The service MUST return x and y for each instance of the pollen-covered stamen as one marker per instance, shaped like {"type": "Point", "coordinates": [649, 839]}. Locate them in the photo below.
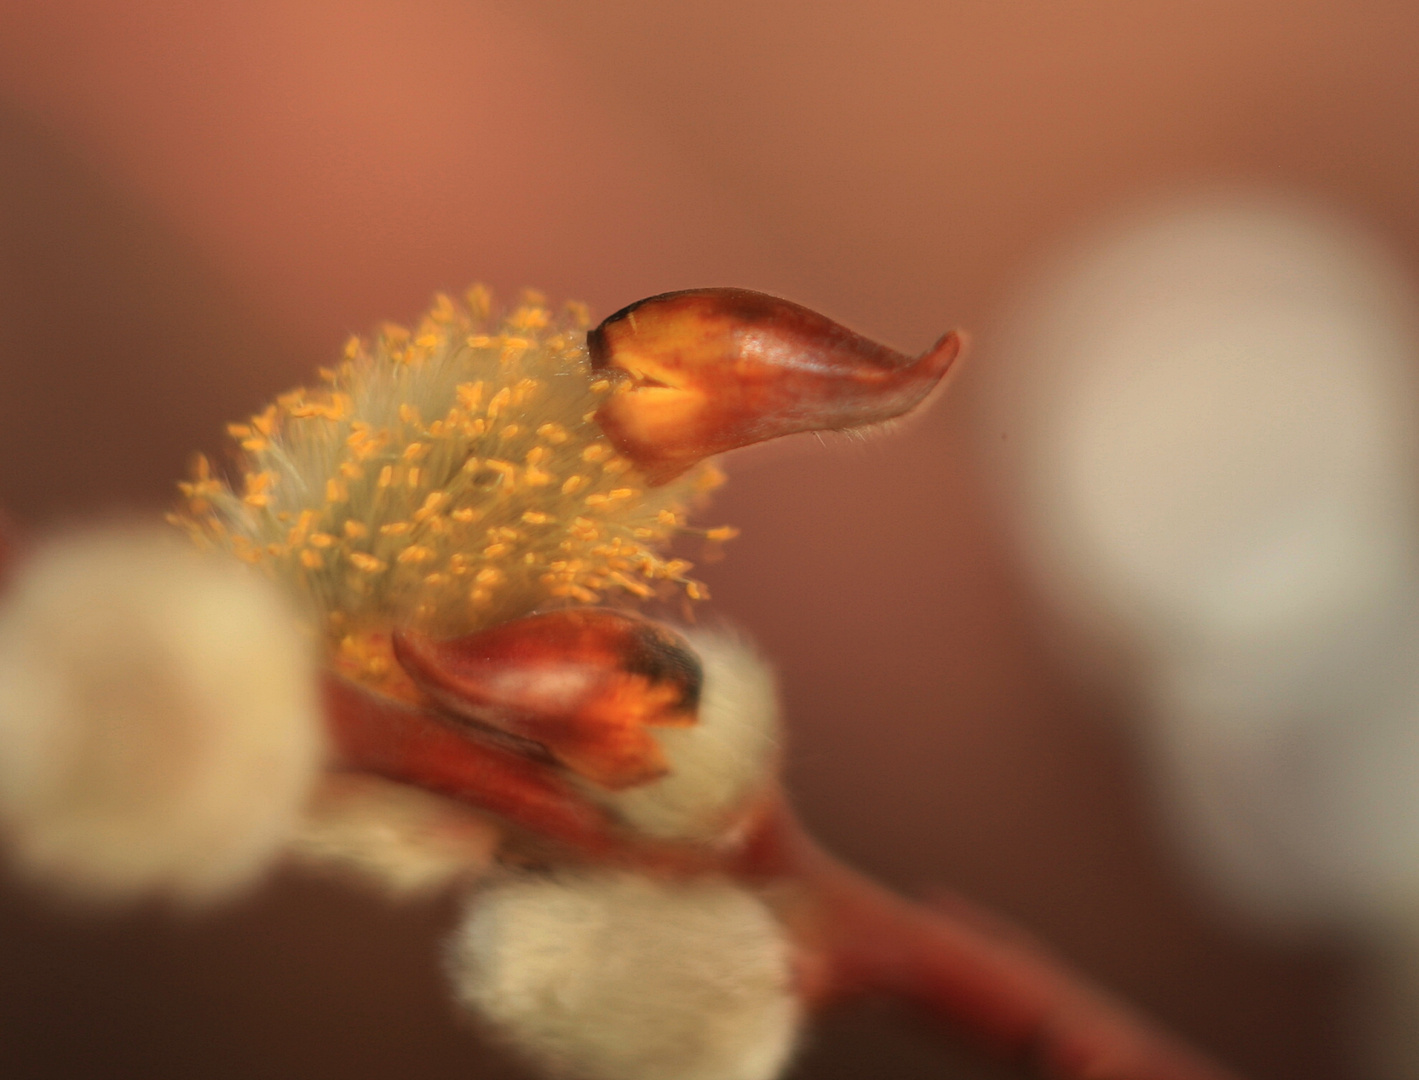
{"type": "Point", "coordinates": [446, 478]}
{"type": "Point", "coordinates": [714, 369]}
{"type": "Point", "coordinates": [585, 684]}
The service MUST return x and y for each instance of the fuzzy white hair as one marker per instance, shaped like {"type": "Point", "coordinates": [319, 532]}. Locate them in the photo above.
{"type": "Point", "coordinates": [159, 718]}
{"type": "Point", "coordinates": [616, 976]}
{"type": "Point", "coordinates": [404, 841]}
{"type": "Point", "coordinates": [718, 764]}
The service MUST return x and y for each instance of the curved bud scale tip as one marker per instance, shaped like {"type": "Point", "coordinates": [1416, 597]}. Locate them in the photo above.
{"type": "Point", "coordinates": [581, 685]}
{"type": "Point", "coordinates": [715, 369]}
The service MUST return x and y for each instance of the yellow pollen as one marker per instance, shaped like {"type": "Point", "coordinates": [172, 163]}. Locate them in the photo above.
{"type": "Point", "coordinates": [469, 395]}
{"type": "Point", "coordinates": [378, 516]}
{"type": "Point", "coordinates": [367, 563]}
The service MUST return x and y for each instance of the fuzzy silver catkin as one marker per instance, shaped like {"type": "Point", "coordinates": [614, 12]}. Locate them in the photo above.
{"type": "Point", "coordinates": [718, 764]}
{"type": "Point", "coordinates": [159, 720]}
{"type": "Point", "coordinates": [616, 976]}
{"type": "Point", "coordinates": [402, 840]}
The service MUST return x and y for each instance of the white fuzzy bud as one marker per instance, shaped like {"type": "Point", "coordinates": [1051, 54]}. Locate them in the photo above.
{"type": "Point", "coordinates": [405, 841]}
{"type": "Point", "coordinates": [159, 721]}
{"type": "Point", "coordinates": [718, 764]}
{"type": "Point", "coordinates": [615, 976]}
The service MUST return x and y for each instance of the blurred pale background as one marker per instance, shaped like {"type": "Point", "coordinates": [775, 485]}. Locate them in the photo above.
{"type": "Point", "coordinates": [198, 204]}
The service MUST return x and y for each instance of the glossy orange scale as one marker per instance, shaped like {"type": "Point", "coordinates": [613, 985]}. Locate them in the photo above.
{"type": "Point", "coordinates": [584, 684]}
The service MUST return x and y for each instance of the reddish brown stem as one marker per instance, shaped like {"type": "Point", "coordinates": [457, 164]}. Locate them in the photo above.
{"type": "Point", "coordinates": [984, 979]}
{"type": "Point", "coordinates": [970, 969]}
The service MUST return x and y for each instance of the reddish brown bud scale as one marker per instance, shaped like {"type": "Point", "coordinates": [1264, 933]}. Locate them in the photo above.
{"type": "Point", "coordinates": [715, 369]}
{"type": "Point", "coordinates": [376, 734]}
{"type": "Point", "coordinates": [583, 685]}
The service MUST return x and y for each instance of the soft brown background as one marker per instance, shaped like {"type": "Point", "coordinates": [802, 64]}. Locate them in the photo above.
{"type": "Point", "coordinates": [198, 202]}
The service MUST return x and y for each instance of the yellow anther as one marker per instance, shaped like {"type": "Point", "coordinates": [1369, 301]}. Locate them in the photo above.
{"type": "Point", "coordinates": [535, 477]}
{"type": "Point", "coordinates": [529, 318]}
{"type": "Point", "coordinates": [709, 479]}
{"type": "Point", "coordinates": [415, 553]}
{"type": "Point", "coordinates": [493, 551]}
{"type": "Point", "coordinates": [600, 386]}
{"type": "Point", "coordinates": [432, 505]}
{"type": "Point", "coordinates": [415, 451]}
{"type": "Point", "coordinates": [312, 560]}
{"type": "Point", "coordinates": [320, 540]}
{"type": "Point", "coordinates": [413, 477]}
{"type": "Point", "coordinates": [553, 433]}
{"type": "Point", "coordinates": [597, 451]}
{"type": "Point", "coordinates": [510, 431]}
{"type": "Point", "coordinates": [506, 470]}
{"type": "Point", "coordinates": [470, 395]}
{"type": "Point", "coordinates": [409, 414]}
{"type": "Point", "coordinates": [490, 575]}
{"type": "Point", "coordinates": [573, 484]}
{"type": "Point", "coordinates": [350, 471]}
{"type": "Point", "coordinates": [356, 530]}
{"type": "Point", "coordinates": [367, 563]}
{"type": "Point", "coordinates": [386, 477]}
{"type": "Point", "coordinates": [394, 528]}
{"type": "Point", "coordinates": [722, 533]}
{"type": "Point", "coordinates": [498, 403]}
{"type": "Point", "coordinates": [479, 301]}
{"type": "Point", "coordinates": [637, 588]}
{"type": "Point", "coordinates": [536, 517]}
{"type": "Point", "coordinates": [336, 491]}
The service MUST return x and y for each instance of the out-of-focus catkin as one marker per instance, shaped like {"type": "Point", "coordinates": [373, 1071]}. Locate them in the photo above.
{"type": "Point", "coordinates": [159, 717]}
{"type": "Point", "coordinates": [617, 976]}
